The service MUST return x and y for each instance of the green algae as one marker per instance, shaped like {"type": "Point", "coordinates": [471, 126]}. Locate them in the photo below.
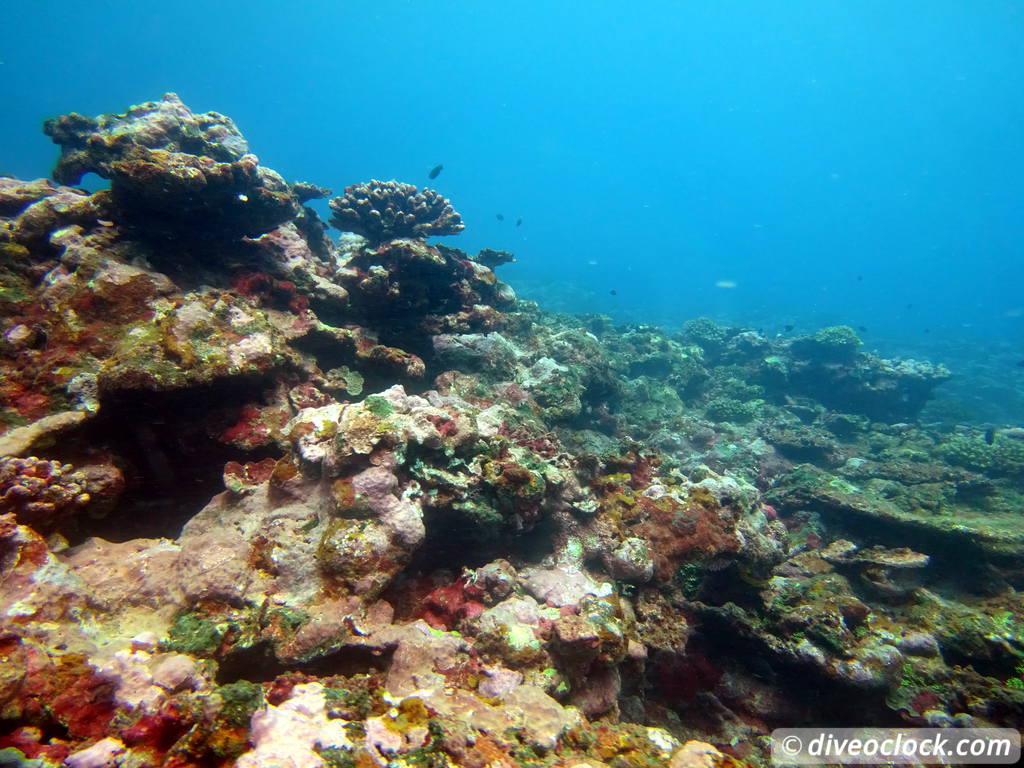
{"type": "Point", "coordinates": [690, 578]}
{"type": "Point", "coordinates": [337, 757]}
{"type": "Point", "coordinates": [194, 635]}
{"type": "Point", "coordinates": [12, 757]}
{"type": "Point", "coordinates": [291, 619]}
{"type": "Point", "coordinates": [356, 704]}
{"type": "Point", "coordinates": [379, 406]}
{"type": "Point", "coordinates": [431, 754]}
{"type": "Point", "coordinates": [241, 699]}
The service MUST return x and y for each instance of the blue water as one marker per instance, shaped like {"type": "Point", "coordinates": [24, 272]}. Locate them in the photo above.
{"type": "Point", "coordinates": [837, 161]}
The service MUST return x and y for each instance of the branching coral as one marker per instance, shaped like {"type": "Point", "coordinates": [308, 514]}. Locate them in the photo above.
{"type": "Point", "coordinates": [385, 210]}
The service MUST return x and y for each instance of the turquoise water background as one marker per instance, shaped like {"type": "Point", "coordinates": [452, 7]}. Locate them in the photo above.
{"type": "Point", "coordinates": [770, 164]}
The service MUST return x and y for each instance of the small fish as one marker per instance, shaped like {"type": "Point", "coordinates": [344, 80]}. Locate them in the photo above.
{"type": "Point", "coordinates": [788, 328]}
{"type": "Point", "coordinates": [613, 292]}
{"type": "Point", "coordinates": [862, 329]}
{"type": "Point", "coordinates": [1020, 363]}
{"type": "Point", "coordinates": [910, 306]}
{"type": "Point", "coordinates": [860, 278]}
{"type": "Point", "coordinates": [927, 330]}
{"type": "Point", "coordinates": [435, 171]}
{"type": "Point", "coordinates": [519, 222]}
{"type": "Point", "coordinates": [499, 216]}
{"type": "Point", "coordinates": [725, 284]}
{"type": "Point", "coordinates": [990, 435]}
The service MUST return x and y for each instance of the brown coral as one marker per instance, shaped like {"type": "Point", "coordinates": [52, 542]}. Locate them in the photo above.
{"type": "Point", "coordinates": [385, 210]}
{"type": "Point", "coordinates": [174, 193]}
{"type": "Point", "coordinates": [40, 493]}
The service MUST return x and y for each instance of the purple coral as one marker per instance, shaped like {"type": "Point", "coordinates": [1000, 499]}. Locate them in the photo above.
{"type": "Point", "coordinates": [385, 210]}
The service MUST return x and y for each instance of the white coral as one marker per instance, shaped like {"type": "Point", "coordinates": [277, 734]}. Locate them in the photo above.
{"type": "Point", "coordinates": [288, 735]}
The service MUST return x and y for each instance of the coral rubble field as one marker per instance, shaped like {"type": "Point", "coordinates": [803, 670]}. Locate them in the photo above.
{"type": "Point", "coordinates": [269, 497]}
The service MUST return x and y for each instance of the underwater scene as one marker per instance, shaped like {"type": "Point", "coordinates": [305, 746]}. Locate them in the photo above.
{"type": "Point", "coordinates": [468, 385]}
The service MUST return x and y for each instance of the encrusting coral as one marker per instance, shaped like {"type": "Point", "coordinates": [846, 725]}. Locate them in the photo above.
{"type": "Point", "coordinates": [354, 504]}
{"type": "Point", "coordinates": [40, 492]}
{"type": "Point", "coordinates": [385, 210]}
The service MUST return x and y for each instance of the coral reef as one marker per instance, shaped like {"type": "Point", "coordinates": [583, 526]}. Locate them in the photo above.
{"type": "Point", "coordinates": [91, 145]}
{"type": "Point", "coordinates": [173, 173]}
{"type": "Point", "coordinates": [296, 501]}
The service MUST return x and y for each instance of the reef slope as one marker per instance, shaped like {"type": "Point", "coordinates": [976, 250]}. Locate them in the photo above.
{"type": "Point", "coordinates": [268, 497]}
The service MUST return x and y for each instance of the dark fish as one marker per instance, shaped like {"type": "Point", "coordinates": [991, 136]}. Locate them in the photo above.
{"type": "Point", "coordinates": [519, 222]}
{"type": "Point", "coordinates": [1020, 363]}
{"type": "Point", "coordinates": [435, 171]}
{"type": "Point", "coordinates": [859, 278]}
{"type": "Point", "coordinates": [613, 292]}
{"type": "Point", "coordinates": [927, 330]}
{"type": "Point", "coordinates": [499, 216]}
{"type": "Point", "coordinates": [990, 435]}
{"type": "Point", "coordinates": [788, 328]}
{"type": "Point", "coordinates": [862, 329]}
{"type": "Point", "coordinates": [910, 306]}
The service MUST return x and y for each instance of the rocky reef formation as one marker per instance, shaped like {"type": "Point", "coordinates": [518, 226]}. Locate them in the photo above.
{"type": "Point", "coordinates": [292, 500]}
{"type": "Point", "coordinates": [173, 173]}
